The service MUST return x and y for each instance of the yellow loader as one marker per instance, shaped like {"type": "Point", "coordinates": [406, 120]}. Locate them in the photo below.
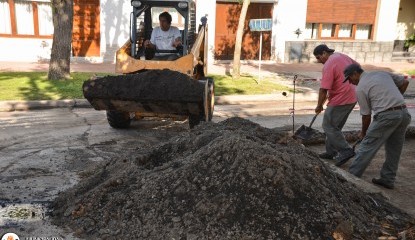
{"type": "Point", "coordinates": [146, 87]}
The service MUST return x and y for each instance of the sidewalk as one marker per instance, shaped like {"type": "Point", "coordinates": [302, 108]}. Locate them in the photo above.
{"type": "Point", "coordinates": [221, 67]}
{"type": "Point", "coordinates": [308, 76]}
{"type": "Point", "coordinates": [311, 70]}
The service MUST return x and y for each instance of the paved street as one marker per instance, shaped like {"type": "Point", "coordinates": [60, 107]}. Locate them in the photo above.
{"type": "Point", "coordinates": [45, 151]}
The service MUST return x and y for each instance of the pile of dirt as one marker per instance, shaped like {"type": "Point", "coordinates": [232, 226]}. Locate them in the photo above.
{"type": "Point", "coordinates": [154, 85]}
{"type": "Point", "coordinates": [350, 136]}
{"type": "Point", "coordinates": [227, 180]}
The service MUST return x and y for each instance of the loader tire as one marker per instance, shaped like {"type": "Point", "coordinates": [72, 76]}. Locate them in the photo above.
{"type": "Point", "coordinates": [208, 105]}
{"type": "Point", "coordinates": [194, 120]}
{"type": "Point", "coordinates": [209, 100]}
{"type": "Point", "coordinates": [118, 119]}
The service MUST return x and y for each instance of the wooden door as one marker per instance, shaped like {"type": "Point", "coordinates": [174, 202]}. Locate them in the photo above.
{"type": "Point", "coordinates": [86, 29]}
{"type": "Point", "coordinates": [227, 18]}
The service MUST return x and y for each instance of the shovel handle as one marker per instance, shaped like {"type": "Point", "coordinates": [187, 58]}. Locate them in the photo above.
{"type": "Point", "coordinates": [312, 121]}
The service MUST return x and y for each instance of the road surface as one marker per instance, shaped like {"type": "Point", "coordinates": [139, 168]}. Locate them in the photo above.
{"type": "Point", "coordinates": [44, 152]}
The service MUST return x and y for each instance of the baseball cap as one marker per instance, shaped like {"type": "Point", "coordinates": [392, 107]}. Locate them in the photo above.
{"type": "Point", "coordinates": [321, 48]}
{"type": "Point", "coordinates": [349, 70]}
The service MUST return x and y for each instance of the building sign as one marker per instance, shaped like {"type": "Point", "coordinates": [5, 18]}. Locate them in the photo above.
{"type": "Point", "coordinates": [260, 24]}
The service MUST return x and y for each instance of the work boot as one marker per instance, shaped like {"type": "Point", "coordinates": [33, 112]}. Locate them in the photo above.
{"type": "Point", "coordinates": [326, 155]}
{"type": "Point", "coordinates": [383, 183]}
{"type": "Point", "coordinates": [343, 157]}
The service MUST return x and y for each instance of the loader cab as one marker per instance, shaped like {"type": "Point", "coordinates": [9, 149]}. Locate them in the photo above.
{"type": "Point", "coordinates": [145, 17]}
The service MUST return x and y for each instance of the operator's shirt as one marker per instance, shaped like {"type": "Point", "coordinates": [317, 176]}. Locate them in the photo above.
{"type": "Point", "coordinates": [378, 91]}
{"type": "Point", "coordinates": [164, 39]}
{"type": "Point", "coordinates": [339, 93]}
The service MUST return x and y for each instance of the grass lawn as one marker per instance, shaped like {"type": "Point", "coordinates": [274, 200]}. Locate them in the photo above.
{"type": "Point", "coordinates": [246, 85]}
{"type": "Point", "coordinates": [35, 86]}
{"type": "Point", "coordinates": [411, 72]}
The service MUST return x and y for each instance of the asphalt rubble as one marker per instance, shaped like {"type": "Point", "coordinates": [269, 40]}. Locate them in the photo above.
{"type": "Point", "coordinates": [228, 180]}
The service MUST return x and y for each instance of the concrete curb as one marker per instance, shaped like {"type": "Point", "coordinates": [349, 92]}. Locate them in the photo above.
{"type": "Point", "coordinates": [9, 106]}
{"type": "Point", "coordinates": [310, 96]}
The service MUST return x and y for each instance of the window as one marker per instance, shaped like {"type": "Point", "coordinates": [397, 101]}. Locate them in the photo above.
{"type": "Point", "coordinates": [177, 20]}
{"type": "Point", "coordinates": [345, 31]}
{"type": "Point", "coordinates": [5, 25]}
{"type": "Point", "coordinates": [311, 31]}
{"type": "Point", "coordinates": [44, 12]}
{"type": "Point", "coordinates": [338, 31]}
{"type": "Point", "coordinates": [25, 18]}
{"type": "Point", "coordinates": [327, 30]}
{"type": "Point", "coordinates": [363, 31]}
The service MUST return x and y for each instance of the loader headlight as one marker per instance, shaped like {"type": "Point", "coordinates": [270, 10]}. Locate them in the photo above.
{"type": "Point", "coordinates": [182, 5]}
{"type": "Point", "coordinates": [135, 3]}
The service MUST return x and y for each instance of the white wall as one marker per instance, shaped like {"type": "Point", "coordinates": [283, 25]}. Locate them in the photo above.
{"type": "Point", "coordinates": [115, 24]}
{"type": "Point", "coordinates": [387, 16]}
{"type": "Point", "coordinates": [208, 7]}
{"type": "Point", "coordinates": [406, 19]}
{"type": "Point", "coordinates": [25, 49]}
{"type": "Point", "coordinates": [289, 15]}
{"type": "Point", "coordinates": [114, 20]}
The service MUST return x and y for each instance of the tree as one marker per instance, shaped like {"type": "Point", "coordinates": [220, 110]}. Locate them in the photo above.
{"type": "Point", "coordinates": [236, 71]}
{"type": "Point", "coordinates": [59, 65]}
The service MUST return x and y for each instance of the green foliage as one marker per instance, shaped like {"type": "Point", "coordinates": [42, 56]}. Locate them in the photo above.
{"type": "Point", "coordinates": [410, 41]}
{"type": "Point", "coordinates": [36, 86]}
{"type": "Point", "coordinates": [411, 72]}
{"type": "Point", "coordinates": [245, 85]}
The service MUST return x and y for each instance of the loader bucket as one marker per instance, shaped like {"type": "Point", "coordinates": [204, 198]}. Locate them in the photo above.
{"type": "Point", "coordinates": [161, 93]}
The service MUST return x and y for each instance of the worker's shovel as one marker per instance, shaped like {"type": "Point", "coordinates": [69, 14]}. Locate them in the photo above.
{"type": "Point", "coordinates": [304, 132]}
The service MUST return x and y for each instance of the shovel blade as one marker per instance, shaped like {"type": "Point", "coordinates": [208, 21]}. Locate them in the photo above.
{"type": "Point", "coordinates": [304, 133]}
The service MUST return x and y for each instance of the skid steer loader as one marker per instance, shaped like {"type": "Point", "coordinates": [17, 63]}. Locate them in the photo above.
{"type": "Point", "coordinates": [176, 89]}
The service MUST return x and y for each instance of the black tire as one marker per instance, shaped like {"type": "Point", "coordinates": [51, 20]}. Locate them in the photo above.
{"type": "Point", "coordinates": [118, 119]}
{"type": "Point", "coordinates": [210, 99]}
{"type": "Point", "coordinates": [193, 121]}
{"type": "Point", "coordinates": [208, 104]}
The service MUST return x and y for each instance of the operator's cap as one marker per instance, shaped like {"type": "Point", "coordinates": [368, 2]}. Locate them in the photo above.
{"type": "Point", "coordinates": [349, 70]}
{"type": "Point", "coordinates": [322, 48]}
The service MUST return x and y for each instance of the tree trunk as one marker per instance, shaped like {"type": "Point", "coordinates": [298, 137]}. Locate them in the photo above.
{"type": "Point", "coordinates": [238, 41]}
{"type": "Point", "coordinates": [59, 65]}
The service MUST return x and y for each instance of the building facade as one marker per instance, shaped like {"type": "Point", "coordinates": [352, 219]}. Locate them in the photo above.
{"type": "Point", "coordinates": [367, 30]}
